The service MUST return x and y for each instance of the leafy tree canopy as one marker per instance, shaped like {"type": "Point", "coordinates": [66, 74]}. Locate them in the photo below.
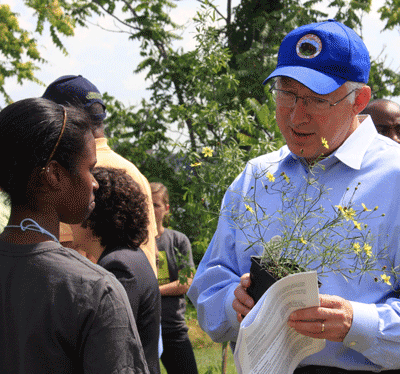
{"type": "Point", "coordinates": [213, 92]}
{"type": "Point", "coordinates": [18, 49]}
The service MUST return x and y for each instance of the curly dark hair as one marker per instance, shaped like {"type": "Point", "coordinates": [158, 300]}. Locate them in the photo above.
{"type": "Point", "coordinates": [120, 217]}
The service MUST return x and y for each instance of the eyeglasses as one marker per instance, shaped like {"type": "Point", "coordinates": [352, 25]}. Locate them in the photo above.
{"type": "Point", "coordinates": [312, 103]}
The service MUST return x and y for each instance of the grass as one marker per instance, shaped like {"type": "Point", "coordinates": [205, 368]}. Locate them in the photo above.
{"type": "Point", "coordinates": [208, 354]}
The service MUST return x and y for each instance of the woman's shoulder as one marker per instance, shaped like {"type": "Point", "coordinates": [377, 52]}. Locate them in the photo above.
{"type": "Point", "coordinates": [65, 271]}
{"type": "Point", "coordinates": [82, 267]}
{"type": "Point", "coordinates": [126, 262]}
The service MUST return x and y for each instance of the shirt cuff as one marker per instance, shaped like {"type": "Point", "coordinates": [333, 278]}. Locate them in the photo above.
{"type": "Point", "coordinates": [230, 312]}
{"type": "Point", "coordinates": [364, 329]}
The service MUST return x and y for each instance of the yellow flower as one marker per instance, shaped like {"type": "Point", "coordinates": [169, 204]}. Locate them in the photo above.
{"type": "Point", "coordinates": [195, 164]}
{"type": "Point", "coordinates": [365, 208]}
{"type": "Point", "coordinates": [339, 208]}
{"type": "Point", "coordinates": [325, 143]}
{"type": "Point", "coordinates": [287, 179]}
{"type": "Point", "coordinates": [349, 214]}
{"type": "Point", "coordinates": [357, 225]}
{"type": "Point", "coordinates": [367, 249]}
{"type": "Point", "coordinates": [270, 177]}
{"type": "Point", "coordinates": [249, 208]}
{"type": "Point", "coordinates": [356, 247]}
{"type": "Point", "coordinates": [207, 152]}
{"type": "Point", "coordinates": [303, 241]}
{"type": "Point", "coordinates": [386, 279]}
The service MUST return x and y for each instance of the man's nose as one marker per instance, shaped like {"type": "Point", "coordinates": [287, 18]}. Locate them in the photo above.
{"type": "Point", "coordinates": [299, 112]}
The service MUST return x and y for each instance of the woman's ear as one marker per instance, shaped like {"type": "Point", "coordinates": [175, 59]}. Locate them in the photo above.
{"type": "Point", "coordinates": [53, 175]}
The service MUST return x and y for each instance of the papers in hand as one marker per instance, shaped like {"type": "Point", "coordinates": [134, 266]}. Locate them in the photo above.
{"type": "Point", "coordinates": [266, 344]}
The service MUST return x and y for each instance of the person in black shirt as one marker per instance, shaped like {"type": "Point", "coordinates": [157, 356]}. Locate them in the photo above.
{"type": "Point", "coordinates": [59, 312]}
{"type": "Point", "coordinates": [111, 237]}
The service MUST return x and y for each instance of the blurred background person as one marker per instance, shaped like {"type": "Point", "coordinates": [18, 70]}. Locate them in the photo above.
{"type": "Point", "coordinates": [175, 254]}
{"type": "Point", "coordinates": [60, 313]}
{"type": "Point", "coordinates": [111, 237]}
{"type": "Point", "coordinates": [386, 117]}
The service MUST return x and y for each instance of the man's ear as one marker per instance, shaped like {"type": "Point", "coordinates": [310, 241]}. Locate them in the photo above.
{"type": "Point", "coordinates": [53, 175]}
{"type": "Point", "coordinates": [362, 99]}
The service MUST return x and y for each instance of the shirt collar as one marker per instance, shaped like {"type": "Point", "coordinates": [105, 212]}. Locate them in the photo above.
{"type": "Point", "coordinates": [352, 151]}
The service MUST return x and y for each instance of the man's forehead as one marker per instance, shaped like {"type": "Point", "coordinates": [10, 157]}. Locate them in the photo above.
{"type": "Point", "coordinates": [392, 108]}
{"type": "Point", "coordinates": [383, 108]}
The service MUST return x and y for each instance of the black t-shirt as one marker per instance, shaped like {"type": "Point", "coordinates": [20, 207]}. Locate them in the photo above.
{"type": "Point", "coordinates": [133, 270]}
{"type": "Point", "coordinates": [60, 313]}
{"type": "Point", "coordinates": [175, 252]}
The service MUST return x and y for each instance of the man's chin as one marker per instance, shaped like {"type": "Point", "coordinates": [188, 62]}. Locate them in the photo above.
{"type": "Point", "coordinates": [308, 155]}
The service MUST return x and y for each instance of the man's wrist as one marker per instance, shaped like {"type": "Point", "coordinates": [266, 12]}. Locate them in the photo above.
{"type": "Point", "coordinates": [364, 328]}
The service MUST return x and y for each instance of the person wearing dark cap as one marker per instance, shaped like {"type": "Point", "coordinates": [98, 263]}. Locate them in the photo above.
{"type": "Point", "coordinates": [319, 86]}
{"type": "Point", "coordinates": [386, 117]}
{"type": "Point", "coordinates": [77, 90]}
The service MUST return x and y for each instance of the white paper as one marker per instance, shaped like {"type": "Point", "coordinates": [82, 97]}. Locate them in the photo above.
{"type": "Point", "coordinates": [266, 344]}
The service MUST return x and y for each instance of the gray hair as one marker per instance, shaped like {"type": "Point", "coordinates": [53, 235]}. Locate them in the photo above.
{"type": "Point", "coordinates": [353, 86]}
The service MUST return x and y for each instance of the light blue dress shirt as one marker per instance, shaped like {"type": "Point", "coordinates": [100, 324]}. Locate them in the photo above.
{"type": "Point", "coordinates": [373, 342]}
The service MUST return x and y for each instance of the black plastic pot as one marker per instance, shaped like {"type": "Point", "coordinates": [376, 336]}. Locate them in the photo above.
{"type": "Point", "coordinates": [260, 278]}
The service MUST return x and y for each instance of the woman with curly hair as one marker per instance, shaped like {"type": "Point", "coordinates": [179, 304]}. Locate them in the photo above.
{"type": "Point", "coordinates": [111, 236]}
{"type": "Point", "coordinates": [59, 312]}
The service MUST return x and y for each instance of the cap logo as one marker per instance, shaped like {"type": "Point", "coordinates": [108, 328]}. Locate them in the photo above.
{"type": "Point", "coordinates": [93, 95]}
{"type": "Point", "coordinates": [309, 46]}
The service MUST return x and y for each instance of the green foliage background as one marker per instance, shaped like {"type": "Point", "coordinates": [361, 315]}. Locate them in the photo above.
{"type": "Point", "coordinates": [213, 93]}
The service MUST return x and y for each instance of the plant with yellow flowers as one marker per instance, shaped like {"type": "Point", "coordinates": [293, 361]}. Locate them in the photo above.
{"type": "Point", "coordinates": [313, 234]}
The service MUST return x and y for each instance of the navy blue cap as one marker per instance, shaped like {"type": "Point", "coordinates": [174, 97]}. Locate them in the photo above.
{"type": "Point", "coordinates": [70, 89]}
{"type": "Point", "coordinates": [323, 56]}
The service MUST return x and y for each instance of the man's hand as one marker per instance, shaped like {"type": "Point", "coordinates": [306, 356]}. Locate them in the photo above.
{"type": "Point", "coordinates": [243, 302]}
{"type": "Point", "coordinates": [332, 320]}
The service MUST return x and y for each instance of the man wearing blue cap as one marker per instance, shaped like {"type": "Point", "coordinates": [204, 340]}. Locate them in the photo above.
{"type": "Point", "coordinates": [320, 88]}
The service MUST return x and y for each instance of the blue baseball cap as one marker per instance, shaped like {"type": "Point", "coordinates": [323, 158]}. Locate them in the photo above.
{"type": "Point", "coordinates": [323, 56]}
{"type": "Point", "coordinates": [70, 89]}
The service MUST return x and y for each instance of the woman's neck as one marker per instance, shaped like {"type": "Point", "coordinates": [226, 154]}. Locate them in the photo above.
{"type": "Point", "coordinates": [84, 240]}
{"type": "Point", "coordinates": [17, 235]}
